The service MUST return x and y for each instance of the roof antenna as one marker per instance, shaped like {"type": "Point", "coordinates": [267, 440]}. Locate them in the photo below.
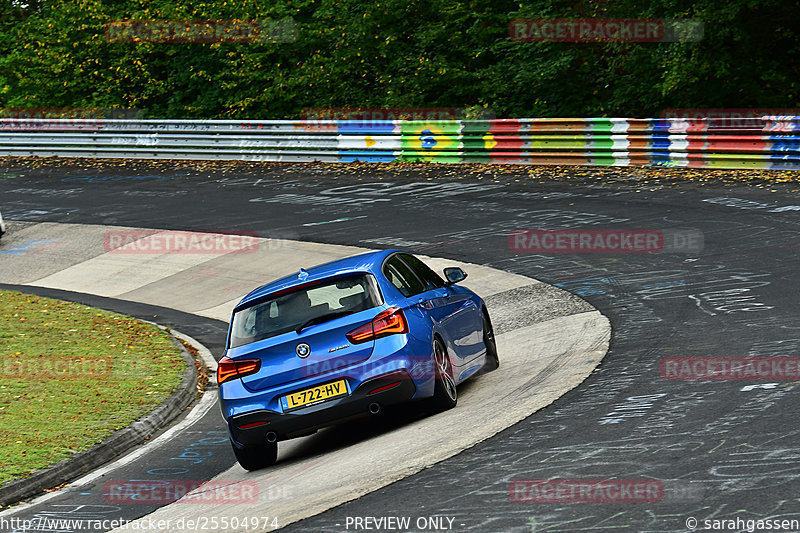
{"type": "Point", "coordinates": [303, 275]}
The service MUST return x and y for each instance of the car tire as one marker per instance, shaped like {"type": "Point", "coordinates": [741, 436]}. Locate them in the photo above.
{"type": "Point", "coordinates": [445, 393]}
{"type": "Point", "coordinates": [256, 457]}
{"type": "Point", "coordinates": [492, 359]}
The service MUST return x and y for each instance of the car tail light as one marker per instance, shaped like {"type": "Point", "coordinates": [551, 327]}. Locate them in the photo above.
{"type": "Point", "coordinates": [228, 369]}
{"type": "Point", "coordinates": [388, 322]}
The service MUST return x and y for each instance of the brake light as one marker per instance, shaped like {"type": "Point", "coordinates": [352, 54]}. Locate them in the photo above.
{"type": "Point", "coordinates": [388, 322]}
{"type": "Point", "coordinates": [228, 369]}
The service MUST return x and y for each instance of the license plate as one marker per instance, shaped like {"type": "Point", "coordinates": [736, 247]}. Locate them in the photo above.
{"type": "Point", "coordinates": [317, 394]}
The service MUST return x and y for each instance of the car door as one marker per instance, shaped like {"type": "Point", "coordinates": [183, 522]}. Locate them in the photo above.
{"type": "Point", "coordinates": [424, 295]}
{"type": "Point", "coordinates": [454, 310]}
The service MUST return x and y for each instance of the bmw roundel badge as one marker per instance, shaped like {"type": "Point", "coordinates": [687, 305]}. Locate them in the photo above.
{"type": "Point", "coordinates": [303, 350]}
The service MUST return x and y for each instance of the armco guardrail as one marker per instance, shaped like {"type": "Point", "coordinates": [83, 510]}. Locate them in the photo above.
{"type": "Point", "coordinates": [765, 142]}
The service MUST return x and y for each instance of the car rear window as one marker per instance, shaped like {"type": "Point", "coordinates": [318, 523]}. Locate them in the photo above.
{"type": "Point", "coordinates": [288, 311]}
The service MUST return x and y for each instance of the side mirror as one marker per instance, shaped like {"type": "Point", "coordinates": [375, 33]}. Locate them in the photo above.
{"type": "Point", "coordinates": [454, 275]}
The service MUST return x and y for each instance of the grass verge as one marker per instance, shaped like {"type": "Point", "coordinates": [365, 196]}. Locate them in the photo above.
{"type": "Point", "coordinates": [72, 375]}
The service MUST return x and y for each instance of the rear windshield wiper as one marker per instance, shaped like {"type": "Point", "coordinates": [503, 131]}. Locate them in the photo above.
{"type": "Point", "coordinates": [322, 318]}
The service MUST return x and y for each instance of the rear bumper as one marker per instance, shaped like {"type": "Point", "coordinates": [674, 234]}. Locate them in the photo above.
{"type": "Point", "coordinates": [309, 419]}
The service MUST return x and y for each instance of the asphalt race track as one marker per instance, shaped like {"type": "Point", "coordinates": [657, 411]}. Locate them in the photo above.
{"type": "Point", "coordinates": [720, 449]}
{"type": "Point", "coordinates": [551, 340]}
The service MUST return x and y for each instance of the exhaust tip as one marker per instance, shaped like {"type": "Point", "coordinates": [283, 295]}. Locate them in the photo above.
{"type": "Point", "coordinates": [374, 408]}
{"type": "Point", "coordinates": [272, 437]}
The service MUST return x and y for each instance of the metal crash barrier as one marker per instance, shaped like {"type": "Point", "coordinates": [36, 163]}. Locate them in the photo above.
{"type": "Point", "coordinates": [770, 142]}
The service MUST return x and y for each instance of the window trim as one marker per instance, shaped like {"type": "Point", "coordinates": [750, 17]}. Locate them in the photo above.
{"type": "Point", "coordinates": [399, 257]}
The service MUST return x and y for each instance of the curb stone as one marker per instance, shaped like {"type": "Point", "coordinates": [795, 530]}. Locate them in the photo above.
{"type": "Point", "coordinates": [17, 490]}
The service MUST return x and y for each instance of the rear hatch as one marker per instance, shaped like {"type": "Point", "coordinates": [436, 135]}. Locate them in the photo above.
{"type": "Point", "coordinates": [317, 314]}
{"type": "Point", "coordinates": [329, 350]}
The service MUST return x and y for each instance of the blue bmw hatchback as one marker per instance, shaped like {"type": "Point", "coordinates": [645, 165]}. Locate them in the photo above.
{"type": "Point", "coordinates": [346, 339]}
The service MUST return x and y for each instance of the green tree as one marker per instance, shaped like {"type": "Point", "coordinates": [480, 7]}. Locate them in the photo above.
{"type": "Point", "coordinates": [397, 53]}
